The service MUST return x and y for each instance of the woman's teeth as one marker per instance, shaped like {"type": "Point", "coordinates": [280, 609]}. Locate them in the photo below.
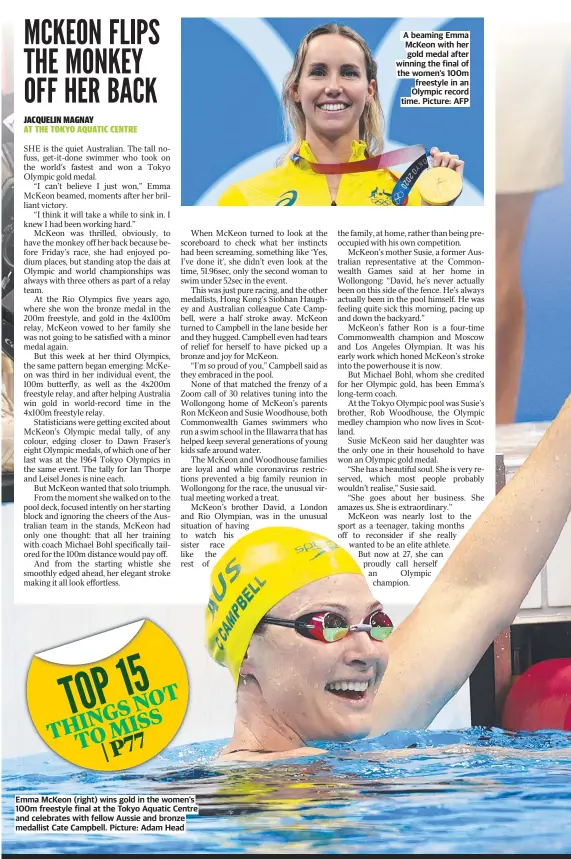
{"type": "Point", "coordinates": [349, 687]}
{"type": "Point", "coordinates": [336, 106]}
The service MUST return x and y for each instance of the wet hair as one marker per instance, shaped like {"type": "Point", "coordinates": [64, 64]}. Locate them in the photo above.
{"type": "Point", "coordinates": [371, 124]}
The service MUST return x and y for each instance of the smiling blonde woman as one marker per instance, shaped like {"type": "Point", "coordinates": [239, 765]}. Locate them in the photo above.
{"type": "Point", "coordinates": [331, 102]}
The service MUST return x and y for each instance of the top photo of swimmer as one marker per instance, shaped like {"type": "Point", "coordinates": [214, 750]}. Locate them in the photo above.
{"type": "Point", "coordinates": [360, 112]}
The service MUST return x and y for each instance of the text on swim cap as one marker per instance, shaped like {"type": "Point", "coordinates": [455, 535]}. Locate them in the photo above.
{"type": "Point", "coordinates": [229, 575]}
{"type": "Point", "coordinates": [322, 546]}
{"type": "Point", "coordinates": [246, 596]}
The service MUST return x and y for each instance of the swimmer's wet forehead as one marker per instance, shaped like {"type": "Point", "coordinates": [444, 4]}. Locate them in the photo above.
{"type": "Point", "coordinates": [342, 608]}
{"type": "Point", "coordinates": [336, 593]}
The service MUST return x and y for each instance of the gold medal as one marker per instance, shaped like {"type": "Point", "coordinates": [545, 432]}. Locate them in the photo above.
{"type": "Point", "coordinates": [439, 186]}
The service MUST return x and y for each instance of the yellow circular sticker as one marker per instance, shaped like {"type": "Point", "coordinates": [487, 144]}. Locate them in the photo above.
{"type": "Point", "coordinates": [110, 701]}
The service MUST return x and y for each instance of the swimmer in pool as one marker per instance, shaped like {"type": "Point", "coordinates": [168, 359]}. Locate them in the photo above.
{"type": "Point", "coordinates": [311, 649]}
{"type": "Point", "coordinates": [331, 103]}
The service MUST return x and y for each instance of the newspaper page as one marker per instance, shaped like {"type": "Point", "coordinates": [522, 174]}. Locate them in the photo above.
{"type": "Point", "coordinates": [259, 556]}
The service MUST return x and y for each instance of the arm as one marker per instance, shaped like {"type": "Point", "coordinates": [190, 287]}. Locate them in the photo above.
{"type": "Point", "coordinates": [480, 588]}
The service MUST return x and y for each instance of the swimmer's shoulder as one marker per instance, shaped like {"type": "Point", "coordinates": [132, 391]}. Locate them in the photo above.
{"type": "Point", "coordinates": [251, 756]}
{"type": "Point", "coordinates": [264, 189]}
{"type": "Point", "coordinates": [232, 196]}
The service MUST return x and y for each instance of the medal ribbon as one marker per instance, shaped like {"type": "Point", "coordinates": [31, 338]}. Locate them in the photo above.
{"type": "Point", "coordinates": [379, 162]}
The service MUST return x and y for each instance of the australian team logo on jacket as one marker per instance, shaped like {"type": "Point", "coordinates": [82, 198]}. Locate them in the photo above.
{"type": "Point", "coordinates": [386, 198]}
{"type": "Point", "coordinates": [380, 198]}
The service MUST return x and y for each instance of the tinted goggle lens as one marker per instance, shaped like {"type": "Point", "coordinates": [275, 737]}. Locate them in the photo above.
{"type": "Point", "coordinates": [335, 627]}
{"type": "Point", "coordinates": [381, 625]}
{"type": "Point", "coordinates": [330, 627]}
{"type": "Point", "coordinates": [322, 626]}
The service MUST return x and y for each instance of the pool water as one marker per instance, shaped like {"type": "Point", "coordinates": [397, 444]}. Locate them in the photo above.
{"type": "Point", "coordinates": [474, 791]}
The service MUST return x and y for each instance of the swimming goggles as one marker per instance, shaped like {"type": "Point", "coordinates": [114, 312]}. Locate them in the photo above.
{"type": "Point", "coordinates": [328, 626]}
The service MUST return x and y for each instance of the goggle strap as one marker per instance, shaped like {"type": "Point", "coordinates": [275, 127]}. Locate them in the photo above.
{"type": "Point", "coordinates": [278, 621]}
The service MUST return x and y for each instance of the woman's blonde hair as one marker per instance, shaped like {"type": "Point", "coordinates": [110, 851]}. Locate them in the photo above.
{"type": "Point", "coordinates": [371, 124]}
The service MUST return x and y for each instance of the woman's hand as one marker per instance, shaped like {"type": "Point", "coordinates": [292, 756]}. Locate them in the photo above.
{"type": "Point", "coordinates": [444, 159]}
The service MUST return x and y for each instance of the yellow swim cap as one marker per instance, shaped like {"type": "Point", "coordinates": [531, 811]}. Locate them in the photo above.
{"type": "Point", "coordinates": [254, 574]}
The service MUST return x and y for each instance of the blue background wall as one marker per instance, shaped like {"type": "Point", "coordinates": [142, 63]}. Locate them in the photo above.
{"type": "Point", "coordinates": [546, 277]}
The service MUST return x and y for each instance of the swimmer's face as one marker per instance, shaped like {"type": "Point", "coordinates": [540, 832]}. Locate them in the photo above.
{"type": "Point", "coordinates": [333, 88]}
{"type": "Point", "coordinates": [296, 675]}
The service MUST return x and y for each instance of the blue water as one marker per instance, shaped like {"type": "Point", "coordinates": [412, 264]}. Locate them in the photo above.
{"type": "Point", "coordinates": [475, 791]}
